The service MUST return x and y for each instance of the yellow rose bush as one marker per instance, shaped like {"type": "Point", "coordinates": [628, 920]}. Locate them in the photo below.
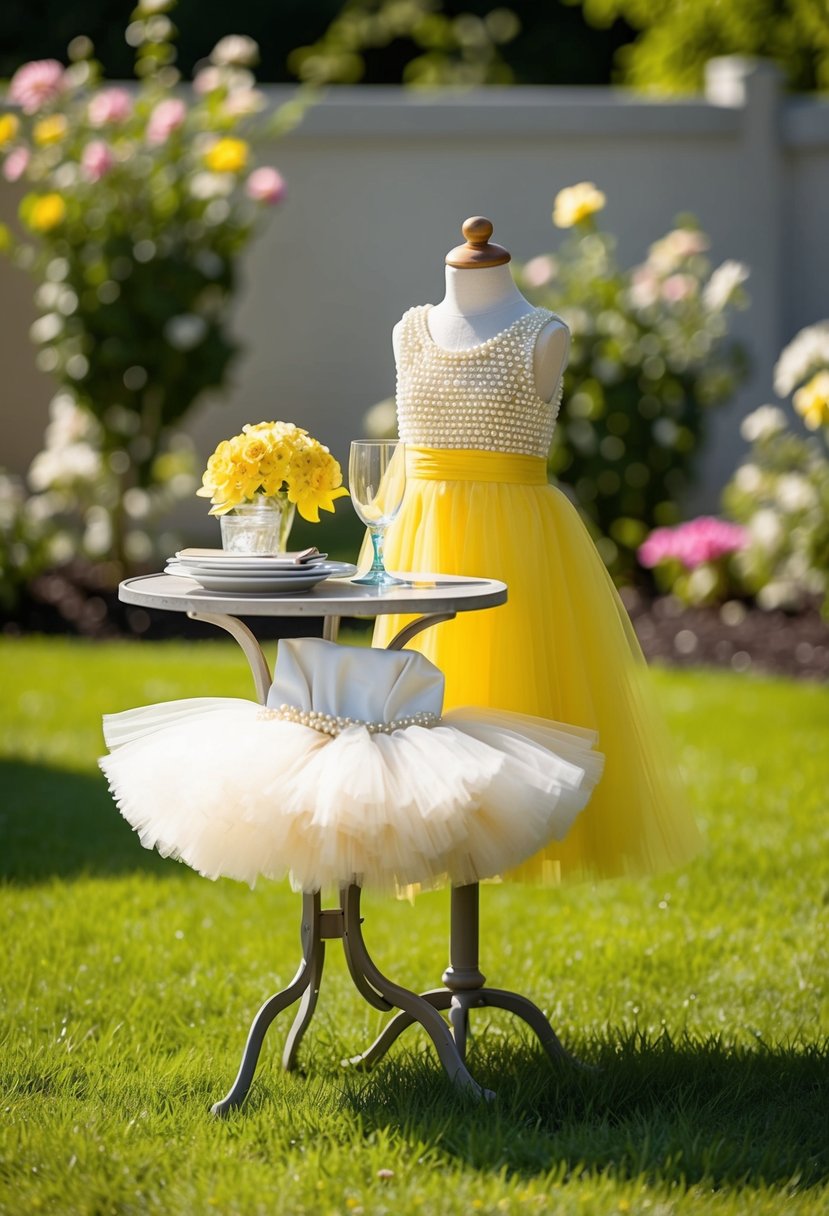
{"type": "Point", "coordinates": [276, 460]}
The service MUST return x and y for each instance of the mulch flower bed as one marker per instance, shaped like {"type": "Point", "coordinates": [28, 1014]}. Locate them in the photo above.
{"type": "Point", "coordinates": [735, 636]}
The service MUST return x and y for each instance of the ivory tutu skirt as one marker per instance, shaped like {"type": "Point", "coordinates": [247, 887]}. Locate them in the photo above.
{"type": "Point", "coordinates": [351, 773]}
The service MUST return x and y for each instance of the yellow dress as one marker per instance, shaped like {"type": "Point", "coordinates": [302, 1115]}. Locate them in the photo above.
{"type": "Point", "coordinates": [478, 502]}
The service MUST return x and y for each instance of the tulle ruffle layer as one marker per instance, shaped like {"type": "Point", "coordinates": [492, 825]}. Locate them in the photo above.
{"type": "Point", "coordinates": [211, 783]}
{"type": "Point", "coordinates": [562, 648]}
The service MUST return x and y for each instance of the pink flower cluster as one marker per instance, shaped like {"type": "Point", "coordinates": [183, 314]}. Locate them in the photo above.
{"type": "Point", "coordinates": [700, 540]}
{"type": "Point", "coordinates": [15, 164]}
{"type": "Point", "coordinates": [266, 185]}
{"type": "Point", "coordinates": [96, 160]}
{"type": "Point", "coordinates": [37, 83]}
{"type": "Point", "coordinates": [166, 118]}
{"type": "Point", "coordinates": [110, 106]}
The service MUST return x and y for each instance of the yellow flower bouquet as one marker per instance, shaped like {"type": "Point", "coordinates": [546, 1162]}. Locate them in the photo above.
{"type": "Point", "coordinates": [272, 460]}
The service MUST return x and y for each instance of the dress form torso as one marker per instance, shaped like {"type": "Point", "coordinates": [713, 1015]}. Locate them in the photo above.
{"type": "Point", "coordinates": [481, 304]}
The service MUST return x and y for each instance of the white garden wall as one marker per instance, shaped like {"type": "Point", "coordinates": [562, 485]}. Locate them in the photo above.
{"type": "Point", "coordinates": [380, 180]}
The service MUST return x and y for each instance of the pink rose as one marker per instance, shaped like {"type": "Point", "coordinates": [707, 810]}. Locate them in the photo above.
{"type": "Point", "coordinates": [15, 164]}
{"type": "Point", "coordinates": [539, 271]}
{"type": "Point", "coordinates": [243, 102]}
{"type": "Point", "coordinates": [678, 287]}
{"type": "Point", "coordinates": [37, 83]}
{"type": "Point", "coordinates": [644, 289]}
{"type": "Point", "coordinates": [96, 160]}
{"type": "Point", "coordinates": [166, 117]}
{"type": "Point", "coordinates": [266, 185]}
{"type": "Point", "coordinates": [110, 106]}
{"type": "Point", "coordinates": [207, 80]}
{"type": "Point", "coordinates": [692, 544]}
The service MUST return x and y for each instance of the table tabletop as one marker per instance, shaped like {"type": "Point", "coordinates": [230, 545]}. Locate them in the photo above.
{"type": "Point", "coordinates": [424, 593]}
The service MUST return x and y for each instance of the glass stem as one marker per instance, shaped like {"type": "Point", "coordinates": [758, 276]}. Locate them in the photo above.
{"type": "Point", "coordinates": [377, 540]}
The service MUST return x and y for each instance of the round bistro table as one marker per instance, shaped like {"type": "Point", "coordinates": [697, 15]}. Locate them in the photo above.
{"type": "Point", "coordinates": [430, 599]}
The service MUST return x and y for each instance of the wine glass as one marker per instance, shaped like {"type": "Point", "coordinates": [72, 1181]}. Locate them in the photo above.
{"type": "Point", "coordinates": [377, 481]}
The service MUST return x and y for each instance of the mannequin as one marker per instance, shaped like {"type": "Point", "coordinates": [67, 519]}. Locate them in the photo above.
{"type": "Point", "coordinates": [479, 306]}
{"type": "Point", "coordinates": [478, 389]}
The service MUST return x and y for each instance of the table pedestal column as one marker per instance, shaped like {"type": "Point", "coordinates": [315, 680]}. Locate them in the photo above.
{"type": "Point", "coordinates": [465, 989]}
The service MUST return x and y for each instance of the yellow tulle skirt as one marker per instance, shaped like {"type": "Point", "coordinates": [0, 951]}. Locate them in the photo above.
{"type": "Point", "coordinates": [562, 647]}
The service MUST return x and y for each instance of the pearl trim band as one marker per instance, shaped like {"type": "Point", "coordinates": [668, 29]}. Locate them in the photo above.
{"type": "Point", "coordinates": [329, 724]}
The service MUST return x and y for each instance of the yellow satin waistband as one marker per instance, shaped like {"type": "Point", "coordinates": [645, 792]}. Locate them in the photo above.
{"type": "Point", "coordinates": [472, 464]}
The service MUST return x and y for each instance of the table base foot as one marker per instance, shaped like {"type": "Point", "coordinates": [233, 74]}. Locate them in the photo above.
{"type": "Point", "coordinates": [465, 991]}
{"type": "Point", "coordinates": [459, 1004]}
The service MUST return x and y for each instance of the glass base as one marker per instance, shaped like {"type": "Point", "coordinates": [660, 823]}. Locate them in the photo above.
{"type": "Point", "coordinates": [380, 578]}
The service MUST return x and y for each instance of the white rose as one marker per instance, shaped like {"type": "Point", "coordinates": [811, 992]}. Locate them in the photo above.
{"type": "Point", "coordinates": [748, 478]}
{"type": "Point", "coordinates": [723, 283]}
{"type": "Point", "coordinates": [235, 49]}
{"type": "Point", "coordinates": [795, 493]}
{"type": "Point", "coordinates": [764, 422]}
{"type": "Point", "coordinates": [766, 528]}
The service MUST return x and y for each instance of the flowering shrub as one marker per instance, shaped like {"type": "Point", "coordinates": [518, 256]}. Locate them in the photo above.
{"type": "Point", "coordinates": [692, 560]}
{"type": "Point", "coordinates": [649, 357]}
{"type": "Point", "coordinates": [276, 459]}
{"type": "Point", "coordinates": [781, 491]}
{"type": "Point", "coordinates": [140, 203]}
{"type": "Point", "coordinates": [26, 539]}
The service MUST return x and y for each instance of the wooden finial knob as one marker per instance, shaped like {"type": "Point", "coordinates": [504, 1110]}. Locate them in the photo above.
{"type": "Point", "coordinates": [478, 250]}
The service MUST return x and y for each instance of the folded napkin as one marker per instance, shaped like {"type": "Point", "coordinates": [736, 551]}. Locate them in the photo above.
{"type": "Point", "coordinates": [299, 557]}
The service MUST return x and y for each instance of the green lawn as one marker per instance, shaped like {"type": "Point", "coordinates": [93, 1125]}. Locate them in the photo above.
{"type": "Point", "coordinates": [128, 983]}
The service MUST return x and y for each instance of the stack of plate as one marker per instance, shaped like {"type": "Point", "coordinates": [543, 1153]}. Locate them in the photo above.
{"type": "Point", "coordinates": [216, 570]}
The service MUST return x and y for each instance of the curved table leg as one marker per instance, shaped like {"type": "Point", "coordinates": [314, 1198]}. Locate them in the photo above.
{"type": "Point", "coordinates": [247, 640]}
{"type": "Point", "coordinates": [420, 1010]}
{"type": "Point", "coordinates": [409, 631]}
{"type": "Point", "coordinates": [305, 1012]}
{"type": "Point", "coordinates": [439, 998]}
{"type": "Point", "coordinates": [309, 971]}
{"type": "Point", "coordinates": [524, 1009]}
{"type": "Point", "coordinates": [273, 1006]}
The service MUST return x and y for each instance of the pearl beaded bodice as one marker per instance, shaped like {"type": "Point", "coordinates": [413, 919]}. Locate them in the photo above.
{"type": "Point", "coordinates": [482, 398]}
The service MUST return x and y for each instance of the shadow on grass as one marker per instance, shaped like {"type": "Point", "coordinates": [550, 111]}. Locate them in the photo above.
{"type": "Point", "coordinates": [676, 1112]}
{"type": "Point", "coordinates": [56, 824]}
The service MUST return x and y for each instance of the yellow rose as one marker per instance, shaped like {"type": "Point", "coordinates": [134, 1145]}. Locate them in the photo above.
{"type": "Point", "coordinates": [812, 401]}
{"type": "Point", "coordinates": [318, 485]}
{"type": "Point", "coordinates": [9, 126]}
{"type": "Point", "coordinates": [577, 203]}
{"type": "Point", "coordinates": [218, 474]}
{"type": "Point", "coordinates": [254, 450]}
{"type": "Point", "coordinates": [274, 470]}
{"type": "Point", "coordinates": [50, 130]}
{"type": "Point", "coordinates": [227, 156]}
{"type": "Point", "coordinates": [46, 212]}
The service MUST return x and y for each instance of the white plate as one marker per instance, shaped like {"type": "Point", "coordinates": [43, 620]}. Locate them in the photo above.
{"type": "Point", "coordinates": [250, 563]}
{"type": "Point", "coordinates": [196, 571]}
{"type": "Point", "coordinates": [327, 569]}
{"type": "Point", "coordinates": [282, 581]}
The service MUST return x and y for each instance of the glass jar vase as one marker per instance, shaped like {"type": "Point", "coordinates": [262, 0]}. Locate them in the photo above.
{"type": "Point", "coordinates": [261, 526]}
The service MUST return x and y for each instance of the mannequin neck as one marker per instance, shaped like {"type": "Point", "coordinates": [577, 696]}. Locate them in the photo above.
{"type": "Point", "coordinates": [478, 305]}
{"type": "Point", "coordinates": [469, 292]}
